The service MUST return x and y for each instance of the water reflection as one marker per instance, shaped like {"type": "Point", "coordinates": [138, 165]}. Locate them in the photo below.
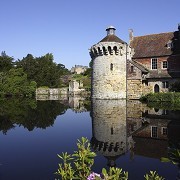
{"type": "Point", "coordinates": [79, 104]}
{"type": "Point", "coordinates": [29, 113]}
{"type": "Point", "coordinates": [120, 126]}
{"type": "Point", "coordinates": [109, 129]}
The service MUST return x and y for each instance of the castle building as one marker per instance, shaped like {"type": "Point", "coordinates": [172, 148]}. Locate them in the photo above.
{"type": "Point", "coordinates": [155, 64]}
{"type": "Point", "coordinates": [109, 57]}
{"type": "Point", "coordinates": [149, 63]}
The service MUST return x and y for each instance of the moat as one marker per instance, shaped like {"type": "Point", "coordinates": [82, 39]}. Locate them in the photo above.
{"type": "Point", "coordinates": [125, 134]}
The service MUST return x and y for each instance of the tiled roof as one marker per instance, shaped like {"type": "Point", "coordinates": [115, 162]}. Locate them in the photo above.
{"type": "Point", "coordinates": [157, 74]}
{"type": "Point", "coordinates": [155, 45]}
{"type": "Point", "coordinates": [112, 38]}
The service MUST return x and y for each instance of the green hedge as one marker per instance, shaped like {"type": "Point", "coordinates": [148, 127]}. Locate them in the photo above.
{"type": "Point", "coordinates": [173, 97]}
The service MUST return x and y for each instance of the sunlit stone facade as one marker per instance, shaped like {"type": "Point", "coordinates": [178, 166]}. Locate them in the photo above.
{"type": "Point", "coordinates": [109, 58]}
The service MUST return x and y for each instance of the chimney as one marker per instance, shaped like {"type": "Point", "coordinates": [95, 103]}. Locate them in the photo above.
{"type": "Point", "coordinates": [130, 34]}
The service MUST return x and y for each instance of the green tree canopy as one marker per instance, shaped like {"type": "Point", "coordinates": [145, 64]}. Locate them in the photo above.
{"type": "Point", "coordinates": [15, 82]}
{"type": "Point", "coordinates": [6, 62]}
{"type": "Point", "coordinates": [43, 70]}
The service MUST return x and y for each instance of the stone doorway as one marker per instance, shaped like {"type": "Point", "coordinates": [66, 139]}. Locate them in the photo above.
{"type": "Point", "coordinates": [156, 88]}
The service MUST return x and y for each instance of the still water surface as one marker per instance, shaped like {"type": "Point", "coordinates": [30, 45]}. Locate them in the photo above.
{"type": "Point", "coordinates": [124, 134]}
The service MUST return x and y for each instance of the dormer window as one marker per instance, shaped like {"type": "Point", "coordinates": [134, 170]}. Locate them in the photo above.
{"type": "Point", "coordinates": [170, 44]}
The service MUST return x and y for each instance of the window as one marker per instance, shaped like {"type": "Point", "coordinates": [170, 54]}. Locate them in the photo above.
{"type": "Point", "coordinates": [112, 130]}
{"type": "Point", "coordinates": [165, 84]}
{"type": "Point", "coordinates": [164, 64]}
{"type": "Point", "coordinates": [154, 132]}
{"type": "Point", "coordinates": [170, 44]}
{"type": "Point", "coordinates": [132, 69]}
{"type": "Point", "coordinates": [154, 63]}
{"type": "Point", "coordinates": [164, 131]}
{"type": "Point", "coordinates": [111, 66]}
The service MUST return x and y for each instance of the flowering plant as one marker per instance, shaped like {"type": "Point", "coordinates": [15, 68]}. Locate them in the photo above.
{"type": "Point", "coordinates": [78, 166]}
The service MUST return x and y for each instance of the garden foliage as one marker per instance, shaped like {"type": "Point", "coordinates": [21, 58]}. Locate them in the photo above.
{"type": "Point", "coordinates": [79, 166]}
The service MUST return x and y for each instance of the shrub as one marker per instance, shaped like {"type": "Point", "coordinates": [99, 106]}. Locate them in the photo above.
{"type": "Point", "coordinates": [78, 166]}
{"type": "Point", "coordinates": [161, 97]}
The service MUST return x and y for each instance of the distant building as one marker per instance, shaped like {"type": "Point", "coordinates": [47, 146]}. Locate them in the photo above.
{"type": "Point", "coordinates": [78, 69]}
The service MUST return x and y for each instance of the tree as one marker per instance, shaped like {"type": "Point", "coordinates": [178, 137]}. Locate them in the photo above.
{"type": "Point", "coordinates": [42, 70]}
{"type": "Point", "coordinates": [15, 82]}
{"type": "Point", "coordinates": [6, 62]}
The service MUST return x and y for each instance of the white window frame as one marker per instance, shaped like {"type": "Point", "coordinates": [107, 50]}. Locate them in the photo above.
{"type": "Point", "coordinates": [152, 65]}
{"type": "Point", "coordinates": [152, 133]}
{"type": "Point", "coordinates": [163, 65]}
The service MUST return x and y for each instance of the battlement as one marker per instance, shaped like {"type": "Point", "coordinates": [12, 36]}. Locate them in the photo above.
{"type": "Point", "coordinates": [105, 49]}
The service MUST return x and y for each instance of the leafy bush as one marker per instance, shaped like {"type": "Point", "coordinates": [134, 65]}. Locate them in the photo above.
{"type": "Point", "coordinates": [78, 166]}
{"type": "Point", "coordinates": [153, 175]}
{"type": "Point", "coordinates": [15, 83]}
{"type": "Point", "coordinates": [162, 97]}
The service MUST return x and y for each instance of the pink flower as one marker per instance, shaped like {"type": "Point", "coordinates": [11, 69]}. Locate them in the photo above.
{"type": "Point", "coordinates": [93, 175]}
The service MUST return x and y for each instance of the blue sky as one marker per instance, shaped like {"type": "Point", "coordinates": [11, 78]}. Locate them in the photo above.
{"type": "Point", "coordinates": [67, 29]}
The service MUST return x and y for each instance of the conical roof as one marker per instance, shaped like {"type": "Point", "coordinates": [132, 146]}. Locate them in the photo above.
{"type": "Point", "coordinates": [112, 38]}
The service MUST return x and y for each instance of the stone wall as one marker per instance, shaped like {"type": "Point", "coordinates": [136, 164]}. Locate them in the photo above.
{"type": "Point", "coordinates": [109, 70]}
{"type": "Point", "coordinates": [134, 88]}
{"type": "Point", "coordinates": [51, 91]}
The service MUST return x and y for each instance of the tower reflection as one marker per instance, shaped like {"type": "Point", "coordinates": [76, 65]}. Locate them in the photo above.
{"type": "Point", "coordinates": [110, 137]}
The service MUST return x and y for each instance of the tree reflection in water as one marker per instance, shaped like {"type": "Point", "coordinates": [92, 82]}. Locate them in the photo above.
{"type": "Point", "coordinates": [29, 113]}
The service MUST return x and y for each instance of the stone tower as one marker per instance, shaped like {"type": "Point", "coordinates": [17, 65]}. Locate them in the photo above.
{"type": "Point", "coordinates": [109, 58]}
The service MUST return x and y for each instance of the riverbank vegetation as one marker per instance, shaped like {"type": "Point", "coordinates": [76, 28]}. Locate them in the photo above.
{"type": "Point", "coordinates": [79, 166]}
{"type": "Point", "coordinates": [173, 97]}
{"type": "Point", "coordinates": [168, 101]}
